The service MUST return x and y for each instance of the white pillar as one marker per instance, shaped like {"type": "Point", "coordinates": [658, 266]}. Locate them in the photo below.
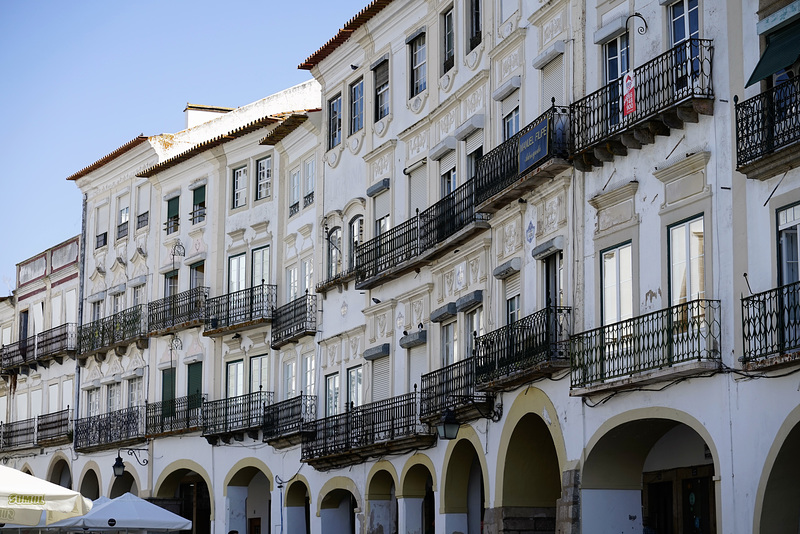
{"type": "Point", "coordinates": [410, 515]}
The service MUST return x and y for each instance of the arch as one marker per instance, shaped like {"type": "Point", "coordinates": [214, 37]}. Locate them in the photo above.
{"type": "Point", "coordinates": [26, 468]}
{"type": "Point", "coordinates": [531, 473]}
{"type": "Point", "coordinates": [381, 477]}
{"type": "Point", "coordinates": [55, 471]}
{"type": "Point", "coordinates": [243, 471]}
{"type": "Point", "coordinates": [170, 478]}
{"type": "Point", "coordinates": [410, 483]}
{"type": "Point", "coordinates": [128, 482]}
{"type": "Point", "coordinates": [340, 483]}
{"type": "Point", "coordinates": [296, 491]}
{"type": "Point", "coordinates": [90, 484]}
{"type": "Point", "coordinates": [454, 484]}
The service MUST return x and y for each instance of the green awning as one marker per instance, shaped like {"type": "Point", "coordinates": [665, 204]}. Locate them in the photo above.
{"type": "Point", "coordinates": [783, 49]}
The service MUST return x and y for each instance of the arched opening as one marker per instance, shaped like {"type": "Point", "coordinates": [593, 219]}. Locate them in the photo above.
{"type": "Point", "coordinates": [248, 501]}
{"type": "Point", "coordinates": [654, 475]}
{"type": "Point", "coordinates": [464, 497]}
{"type": "Point", "coordinates": [338, 512]}
{"type": "Point", "coordinates": [298, 509]}
{"type": "Point", "coordinates": [382, 499]}
{"type": "Point", "coordinates": [531, 478]}
{"type": "Point", "coordinates": [418, 501]}
{"type": "Point", "coordinates": [185, 493]}
{"type": "Point", "coordinates": [90, 486]}
{"type": "Point", "coordinates": [122, 485]}
{"type": "Point", "coordinates": [781, 511]}
{"type": "Point", "coordinates": [61, 474]}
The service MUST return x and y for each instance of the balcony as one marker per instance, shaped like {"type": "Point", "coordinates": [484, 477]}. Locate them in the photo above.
{"type": "Point", "coordinates": [18, 435]}
{"type": "Point", "coordinates": [771, 328]}
{"type": "Point", "coordinates": [766, 125]}
{"type": "Point", "coordinates": [20, 354]}
{"type": "Point", "coordinates": [425, 237]}
{"type": "Point", "coordinates": [453, 387]}
{"type": "Point", "coordinates": [177, 312]}
{"type": "Point", "coordinates": [534, 347]}
{"type": "Point", "coordinates": [374, 429]}
{"type": "Point", "coordinates": [336, 279]}
{"type": "Point", "coordinates": [114, 332]}
{"type": "Point", "coordinates": [142, 220]}
{"type": "Point", "coordinates": [308, 199]}
{"type": "Point", "coordinates": [54, 428]}
{"type": "Point", "coordinates": [235, 416]}
{"type": "Point", "coordinates": [240, 310]}
{"type": "Point", "coordinates": [57, 342]}
{"type": "Point", "coordinates": [294, 320]}
{"type": "Point", "coordinates": [536, 153]}
{"type": "Point", "coordinates": [676, 342]}
{"type": "Point", "coordinates": [670, 90]}
{"type": "Point", "coordinates": [110, 430]}
{"type": "Point", "coordinates": [286, 422]}
{"type": "Point", "coordinates": [174, 416]}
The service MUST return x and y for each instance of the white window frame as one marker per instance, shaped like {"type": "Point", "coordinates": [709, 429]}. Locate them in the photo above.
{"type": "Point", "coordinates": [616, 273]}
{"type": "Point", "coordinates": [239, 187]}
{"type": "Point", "coordinates": [418, 74]}
{"type": "Point", "coordinates": [264, 178]}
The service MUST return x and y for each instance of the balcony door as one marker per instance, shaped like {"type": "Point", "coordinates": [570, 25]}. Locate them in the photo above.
{"type": "Point", "coordinates": [194, 384]}
{"type": "Point", "coordinates": [685, 25]}
{"type": "Point", "coordinates": [617, 306]}
{"type": "Point", "coordinates": [616, 65]}
{"type": "Point", "coordinates": [23, 333]}
{"type": "Point", "coordinates": [789, 272]}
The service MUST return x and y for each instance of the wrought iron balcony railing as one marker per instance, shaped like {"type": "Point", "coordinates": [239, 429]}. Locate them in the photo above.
{"type": "Point", "coordinates": [294, 209]}
{"type": "Point", "coordinates": [179, 310]}
{"type": "Point", "coordinates": [142, 220]}
{"type": "Point", "coordinates": [768, 122]}
{"type": "Point", "coordinates": [545, 138]}
{"type": "Point", "coordinates": [452, 386]}
{"type": "Point", "coordinates": [679, 74]}
{"type": "Point", "coordinates": [59, 340]}
{"type": "Point", "coordinates": [173, 416]}
{"type": "Point", "coordinates": [235, 414]}
{"type": "Point", "coordinates": [335, 279]}
{"type": "Point", "coordinates": [118, 329]}
{"type": "Point", "coordinates": [251, 305]}
{"type": "Point", "coordinates": [308, 199]}
{"type": "Point", "coordinates": [110, 429]}
{"type": "Point", "coordinates": [290, 417]}
{"type": "Point", "coordinates": [101, 240]}
{"type": "Point", "coordinates": [19, 434]}
{"type": "Point", "coordinates": [20, 353]}
{"type": "Point", "coordinates": [294, 320]}
{"type": "Point", "coordinates": [122, 230]}
{"type": "Point", "coordinates": [658, 340]}
{"type": "Point", "coordinates": [518, 348]}
{"type": "Point", "coordinates": [771, 322]}
{"type": "Point", "coordinates": [54, 427]}
{"type": "Point", "coordinates": [198, 214]}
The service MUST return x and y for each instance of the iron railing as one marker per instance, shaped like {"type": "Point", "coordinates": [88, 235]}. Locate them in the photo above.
{"type": "Point", "coordinates": [678, 334]}
{"type": "Point", "coordinates": [101, 240]}
{"type": "Point", "coordinates": [771, 322]}
{"type": "Point", "coordinates": [110, 428]}
{"type": "Point", "coordinates": [295, 319]}
{"type": "Point", "coordinates": [57, 340]}
{"type": "Point", "coordinates": [122, 327]}
{"type": "Point", "coordinates": [681, 73]}
{"type": "Point", "coordinates": [198, 215]}
{"type": "Point", "coordinates": [19, 434]}
{"type": "Point", "coordinates": [294, 209]}
{"type": "Point", "coordinates": [451, 386]}
{"type": "Point", "coordinates": [22, 352]}
{"type": "Point", "coordinates": [540, 337]}
{"type": "Point", "coordinates": [53, 426]}
{"type": "Point", "coordinates": [172, 225]}
{"type": "Point", "coordinates": [308, 199]}
{"type": "Point", "coordinates": [175, 415]}
{"type": "Point", "coordinates": [768, 122]}
{"type": "Point", "coordinates": [239, 307]}
{"type": "Point", "coordinates": [289, 417]}
{"type": "Point", "coordinates": [333, 279]}
{"type": "Point", "coordinates": [122, 230]}
{"type": "Point", "coordinates": [508, 162]}
{"type": "Point", "coordinates": [142, 220]}
{"type": "Point", "coordinates": [184, 307]}
{"type": "Point", "coordinates": [235, 413]}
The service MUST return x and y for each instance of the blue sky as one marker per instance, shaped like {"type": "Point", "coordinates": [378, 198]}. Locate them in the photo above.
{"type": "Point", "coordinates": [82, 78]}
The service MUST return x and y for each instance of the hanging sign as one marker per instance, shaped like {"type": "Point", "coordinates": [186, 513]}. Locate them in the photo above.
{"type": "Point", "coordinates": [629, 98]}
{"type": "Point", "coordinates": [533, 145]}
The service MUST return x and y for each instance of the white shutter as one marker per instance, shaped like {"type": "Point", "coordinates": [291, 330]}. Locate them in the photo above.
{"type": "Point", "coordinates": [447, 162]}
{"type": "Point", "coordinates": [510, 103]}
{"type": "Point", "coordinates": [38, 317]}
{"type": "Point", "coordinates": [474, 141]}
{"type": "Point", "coordinates": [417, 366]}
{"type": "Point", "coordinates": [381, 379]}
{"type": "Point", "coordinates": [66, 394]}
{"type": "Point", "coordinates": [143, 202]}
{"type": "Point", "coordinates": [553, 83]}
{"type": "Point", "coordinates": [102, 219]}
{"type": "Point", "coordinates": [418, 191]}
{"type": "Point", "coordinates": [36, 403]}
{"type": "Point", "coordinates": [71, 306]}
{"type": "Point", "coordinates": [53, 400]}
{"type": "Point", "coordinates": [21, 400]}
{"type": "Point", "coordinates": [55, 311]}
{"type": "Point", "coordinates": [6, 337]}
{"type": "Point", "coordinates": [383, 204]}
{"type": "Point", "coordinates": [4, 408]}
{"type": "Point", "coordinates": [513, 285]}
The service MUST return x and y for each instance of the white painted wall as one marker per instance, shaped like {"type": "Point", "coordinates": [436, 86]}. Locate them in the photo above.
{"type": "Point", "coordinates": [611, 510]}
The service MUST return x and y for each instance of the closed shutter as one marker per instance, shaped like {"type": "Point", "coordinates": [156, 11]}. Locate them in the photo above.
{"type": "Point", "coordinates": [168, 384]}
{"type": "Point", "coordinates": [417, 366]}
{"type": "Point", "coordinates": [418, 190]}
{"type": "Point", "coordinates": [36, 403]}
{"type": "Point", "coordinates": [447, 162]}
{"type": "Point", "coordinates": [143, 202]}
{"type": "Point", "coordinates": [194, 384]}
{"type": "Point", "coordinates": [199, 196]}
{"type": "Point", "coordinates": [381, 379]}
{"type": "Point", "coordinates": [67, 393]}
{"type": "Point", "coordinates": [510, 103]}
{"type": "Point", "coordinates": [53, 400]}
{"type": "Point", "coordinates": [173, 207]}
{"type": "Point", "coordinates": [38, 317]}
{"type": "Point", "coordinates": [22, 406]}
{"type": "Point", "coordinates": [513, 285]}
{"type": "Point", "coordinates": [70, 306]}
{"type": "Point", "coordinates": [474, 141]}
{"type": "Point", "coordinates": [102, 219]}
{"type": "Point", "coordinates": [55, 311]}
{"type": "Point", "coordinates": [382, 205]}
{"type": "Point", "coordinates": [553, 83]}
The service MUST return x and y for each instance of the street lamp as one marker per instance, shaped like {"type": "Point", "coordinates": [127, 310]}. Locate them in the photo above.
{"type": "Point", "coordinates": [119, 467]}
{"type": "Point", "coordinates": [447, 427]}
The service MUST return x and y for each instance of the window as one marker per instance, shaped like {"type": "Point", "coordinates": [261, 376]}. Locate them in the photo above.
{"type": "Point", "coordinates": [239, 187]}
{"type": "Point", "coordinates": [307, 267]}
{"type": "Point", "coordinates": [197, 275]}
{"type": "Point", "coordinates": [512, 309]}
{"type": "Point", "coordinates": [617, 277]}
{"type": "Point", "coordinates": [291, 283]}
{"type": "Point", "coordinates": [355, 231]}
{"type": "Point", "coordinates": [472, 162]}
{"type": "Point", "coordinates": [173, 216]}
{"type": "Point", "coordinates": [554, 279]}
{"type": "Point", "coordinates": [135, 392]}
{"type": "Point", "coordinates": [684, 20]}
{"type": "Point", "coordinates": [511, 124]}
{"type": "Point", "coordinates": [97, 310]}
{"type": "Point", "coordinates": [294, 192]}
{"type": "Point", "coordinates": [259, 373]}
{"type": "Point", "coordinates": [143, 206]}
{"type": "Point", "coordinates": [331, 395]}
{"type": "Point", "coordinates": [448, 41]}
{"type": "Point", "coordinates": [199, 205]}
{"type": "Point", "coordinates": [289, 380]}
{"type": "Point", "coordinates": [310, 181]}
{"type": "Point", "coordinates": [789, 259]}
{"type": "Point", "coordinates": [356, 106]}
{"type": "Point", "coordinates": [334, 121]}
{"type": "Point", "coordinates": [117, 303]}
{"type": "Point", "coordinates": [236, 278]}
{"type": "Point", "coordinates": [308, 374]}
{"type": "Point", "coordinates": [474, 321]}
{"type": "Point", "coordinates": [138, 295]}
{"type": "Point", "coordinates": [449, 344]}
{"type": "Point", "coordinates": [264, 178]}
{"type": "Point", "coordinates": [122, 220]}
{"type": "Point", "coordinates": [616, 64]}
{"type": "Point", "coordinates": [171, 283]}
{"type": "Point", "coordinates": [418, 62]}
{"type": "Point", "coordinates": [168, 389]}
{"type": "Point", "coordinates": [334, 252]}
{"type": "Point", "coordinates": [687, 269]}
{"type": "Point", "coordinates": [234, 373]}
{"type": "Point", "coordinates": [354, 391]}
{"type": "Point", "coordinates": [101, 226]}
{"type": "Point", "coordinates": [260, 270]}
{"type": "Point", "coordinates": [474, 24]}
{"type": "Point", "coordinates": [381, 90]}
{"type": "Point", "coordinates": [113, 397]}
{"type": "Point", "coordinates": [449, 182]}
{"type": "Point", "coordinates": [93, 402]}
{"type": "Point", "coordinates": [382, 225]}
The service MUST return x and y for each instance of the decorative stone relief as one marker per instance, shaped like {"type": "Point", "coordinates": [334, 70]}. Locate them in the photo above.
{"type": "Point", "coordinates": [380, 321]}
{"type": "Point", "coordinates": [552, 28]}
{"type": "Point", "coordinates": [399, 321]}
{"type": "Point", "coordinates": [474, 270]}
{"type": "Point", "coordinates": [416, 310]}
{"type": "Point", "coordinates": [551, 214]}
{"type": "Point", "coordinates": [460, 281]}
{"type": "Point", "coordinates": [446, 124]}
{"type": "Point", "coordinates": [418, 102]}
{"type": "Point", "coordinates": [344, 308]}
{"type": "Point", "coordinates": [417, 144]}
{"type": "Point", "coordinates": [506, 29]}
{"type": "Point", "coordinates": [510, 237]}
{"type": "Point", "coordinates": [355, 343]}
{"type": "Point", "coordinates": [448, 283]}
{"type": "Point", "coordinates": [474, 102]}
{"type": "Point", "coordinates": [382, 126]}
{"type": "Point", "coordinates": [472, 60]}
{"type": "Point", "coordinates": [510, 63]}
{"type": "Point", "coordinates": [354, 144]}
{"type": "Point", "coordinates": [332, 158]}
{"type": "Point", "coordinates": [381, 166]}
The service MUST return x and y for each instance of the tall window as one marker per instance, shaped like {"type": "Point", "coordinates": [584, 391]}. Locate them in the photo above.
{"type": "Point", "coordinates": [294, 192]}
{"type": "Point", "coordinates": [236, 268]}
{"type": "Point", "coordinates": [117, 303]}
{"type": "Point", "coordinates": [199, 204]}
{"type": "Point", "coordinates": [474, 24]}
{"type": "Point", "coordinates": [334, 252]}
{"type": "Point", "coordinates": [259, 373]}
{"type": "Point", "coordinates": [472, 162]}
{"type": "Point", "coordinates": [308, 374]}
{"type": "Point", "coordinates": [173, 215]}
{"type": "Point", "coordinates": [234, 374]}
{"type": "Point", "coordinates": [260, 270]}
{"type": "Point", "coordinates": [448, 41]}
{"type": "Point", "coordinates": [292, 283]}
{"type": "Point", "coordinates": [554, 279]}
{"type": "Point", "coordinates": [356, 106]}
{"type": "Point", "coordinates": [512, 309]}
{"type": "Point", "coordinates": [97, 311]}
{"type": "Point", "coordinates": [381, 90]}
{"type": "Point", "coordinates": [788, 243]}
{"type": "Point", "coordinates": [511, 124]}
{"type": "Point", "coordinates": [331, 395]}
{"type": "Point", "coordinates": [113, 397]}
{"type": "Point", "coordinates": [449, 343]}
{"type": "Point", "coordinates": [474, 328]}
{"type": "Point", "coordinates": [171, 283]}
{"type": "Point", "coordinates": [449, 182]}
{"type": "Point", "coordinates": [122, 219]}
{"type": "Point", "coordinates": [616, 64]}
{"type": "Point", "coordinates": [310, 181]}
{"type": "Point", "coordinates": [138, 295]}
{"type": "Point", "coordinates": [687, 266]}
{"type": "Point", "coordinates": [168, 386]}
{"type": "Point", "coordinates": [307, 266]}
{"type": "Point", "coordinates": [289, 380]}
{"type": "Point", "coordinates": [418, 63]}
{"type": "Point", "coordinates": [239, 187]}
{"type": "Point", "coordinates": [93, 402]}
{"type": "Point", "coordinates": [264, 178]}
{"type": "Point", "coordinates": [135, 397]}
{"type": "Point", "coordinates": [354, 392]}
{"type": "Point", "coordinates": [617, 276]}
{"type": "Point", "coordinates": [334, 121]}
{"type": "Point", "coordinates": [197, 273]}
{"type": "Point", "coordinates": [355, 229]}
{"type": "Point", "coordinates": [684, 20]}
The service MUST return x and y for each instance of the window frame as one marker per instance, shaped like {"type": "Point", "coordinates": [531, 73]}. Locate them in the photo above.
{"type": "Point", "coordinates": [334, 264]}
{"type": "Point", "coordinates": [335, 121]}
{"type": "Point", "coordinates": [511, 122]}
{"type": "Point", "coordinates": [382, 101]}
{"type": "Point", "coordinates": [418, 74]}
{"type": "Point", "coordinates": [356, 98]}
{"type": "Point", "coordinates": [238, 366]}
{"type": "Point", "coordinates": [239, 187]}
{"type": "Point", "coordinates": [690, 283]}
{"type": "Point", "coordinates": [332, 388]}
{"type": "Point", "coordinates": [263, 177]}
{"type": "Point", "coordinates": [604, 320]}
{"type": "Point", "coordinates": [474, 25]}
{"type": "Point", "coordinates": [198, 214]}
{"type": "Point", "coordinates": [448, 40]}
{"type": "Point", "coordinates": [358, 371]}
{"type": "Point", "coordinates": [241, 270]}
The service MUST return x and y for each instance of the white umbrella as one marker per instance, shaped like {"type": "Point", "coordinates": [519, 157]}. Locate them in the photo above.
{"type": "Point", "coordinates": [129, 512]}
{"type": "Point", "coordinates": [23, 498]}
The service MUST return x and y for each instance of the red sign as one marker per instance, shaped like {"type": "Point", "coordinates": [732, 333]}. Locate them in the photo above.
{"type": "Point", "coordinates": [629, 98]}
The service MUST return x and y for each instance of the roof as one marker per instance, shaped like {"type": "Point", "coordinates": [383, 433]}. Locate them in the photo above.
{"type": "Point", "coordinates": [352, 25]}
{"type": "Point", "coordinates": [201, 107]}
{"type": "Point", "coordinates": [141, 138]}
{"type": "Point", "coordinates": [289, 125]}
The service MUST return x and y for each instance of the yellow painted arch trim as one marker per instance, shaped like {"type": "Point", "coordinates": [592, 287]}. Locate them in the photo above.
{"type": "Point", "coordinates": [191, 466]}
{"type": "Point", "coordinates": [26, 468]}
{"type": "Point", "coordinates": [335, 483]}
{"type": "Point", "coordinates": [382, 465]}
{"type": "Point", "coordinates": [465, 433]}
{"type": "Point", "coordinates": [129, 468]}
{"type": "Point", "coordinates": [243, 464]}
{"type": "Point", "coordinates": [91, 465]}
{"type": "Point", "coordinates": [296, 479]}
{"type": "Point", "coordinates": [57, 457]}
{"type": "Point", "coordinates": [416, 459]}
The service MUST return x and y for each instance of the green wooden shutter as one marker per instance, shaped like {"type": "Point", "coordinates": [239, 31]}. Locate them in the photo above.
{"type": "Point", "coordinates": [200, 196]}
{"type": "Point", "coordinates": [172, 207]}
{"type": "Point", "coordinates": [168, 384]}
{"type": "Point", "coordinates": [194, 385]}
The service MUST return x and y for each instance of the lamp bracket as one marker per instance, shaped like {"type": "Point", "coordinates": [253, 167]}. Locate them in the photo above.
{"type": "Point", "coordinates": [135, 454]}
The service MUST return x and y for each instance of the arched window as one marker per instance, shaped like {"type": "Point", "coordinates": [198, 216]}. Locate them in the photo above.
{"type": "Point", "coordinates": [354, 237]}
{"type": "Point", "coordinates": [334, 252]}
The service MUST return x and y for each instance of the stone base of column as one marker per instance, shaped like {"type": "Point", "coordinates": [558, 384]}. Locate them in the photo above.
{"type": "Point", "coordinates": [568, 520]}
{"type": "Point", "coordinates": [519, 520]}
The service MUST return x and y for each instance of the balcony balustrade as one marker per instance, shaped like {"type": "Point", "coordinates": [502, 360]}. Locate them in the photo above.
{"type": "Point", "coordinates": [19, 434]}
{"type": "Point", "coordinates": [531, 348]}
{"type": "Point", "coordinates": [54, 428]}
{"type": "Point", "coordinates": [239, 310]}
{"type": "Point", "coordinates": [453, 387]}
{"type": "Point", "coordinates": [235, 416]}
{"type": "Point", "coordinates": [287, 421]}
{"type": "Point", "coordinates": [110, 430]}
{"type": "Point", "coordinates": [423, 237]}
{"type": "Point", "coordinates": [765, 125]}
{"type": "Point", "coordinates": [671, 89]}
{"type": "Point", "coordinates": [118, 330]}
{"type": "Point", "coordinates": [681, 340]}
{"type": "Point", "coordinates": [294, 320]}
{"type": "Point", "coordinates": [177, 312]}
{"type": "Point", "coordinates": [142, 220]}
{"type": "Point", "coordinates": [57, 341]}
{"type": "Point", "coordinates": [771, 327]}
{"type": "Point", "coordinates": [537, 152]}
{"type": "Point", "coordinates": [308, 199]}
{"type": "Point", "coordinates": [365, 431]}
{"type": "Point", "coordinates": [335, 279]}
{"type": "Point", "coordinates": [294, 209]}
{"type": "Point", "coordinates": [175, 416]}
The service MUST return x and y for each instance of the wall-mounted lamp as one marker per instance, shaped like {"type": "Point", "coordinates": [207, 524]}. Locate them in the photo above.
{"type": "Point", "coordinates": [119, 467]}
{"type": "Point", "coordinates": [447, 427]}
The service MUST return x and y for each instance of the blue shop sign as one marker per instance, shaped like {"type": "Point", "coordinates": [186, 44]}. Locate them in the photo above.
{"type": "Point", "coordinates": [533, 146]}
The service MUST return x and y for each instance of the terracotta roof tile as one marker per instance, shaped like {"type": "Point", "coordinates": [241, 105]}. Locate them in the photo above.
{"type": "Point", "coordinates": [110, 157]}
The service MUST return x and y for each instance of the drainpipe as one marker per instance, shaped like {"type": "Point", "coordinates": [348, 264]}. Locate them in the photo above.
{"type": "Point", "coordinates": [76, 391]}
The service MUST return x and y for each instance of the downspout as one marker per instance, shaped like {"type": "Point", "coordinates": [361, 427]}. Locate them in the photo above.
{"type": "Point", "coordinates": [81, 277]}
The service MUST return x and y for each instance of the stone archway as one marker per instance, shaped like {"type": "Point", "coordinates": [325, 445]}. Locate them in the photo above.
{"type": "Point", "coordinates": [298, 508]}
{"type": "Point", "coordinates": [183, 489]}
{"type": "Point", "coordinates": [123, 484]}
{"type": "Point", "coordinates": [338, 509]}
{"type": "Point", "coordinates": [90, 485]}
{"type": "Point", "coordinates": [382, 501]}
{"type": "Point", "coordinates": [418, 503]}
{"type": "Point", "coordinates": [780, 511]}
{"type": "Point", "coordinates": [248, 497]}
{"type": "Point", "coordinates": [60, 473]}
{"type": "Point", "coordinates": [464, 493]}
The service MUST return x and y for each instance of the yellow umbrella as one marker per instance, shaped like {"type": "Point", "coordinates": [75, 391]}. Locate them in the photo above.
{"type": "Point", "coordinates": [23, 498]}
